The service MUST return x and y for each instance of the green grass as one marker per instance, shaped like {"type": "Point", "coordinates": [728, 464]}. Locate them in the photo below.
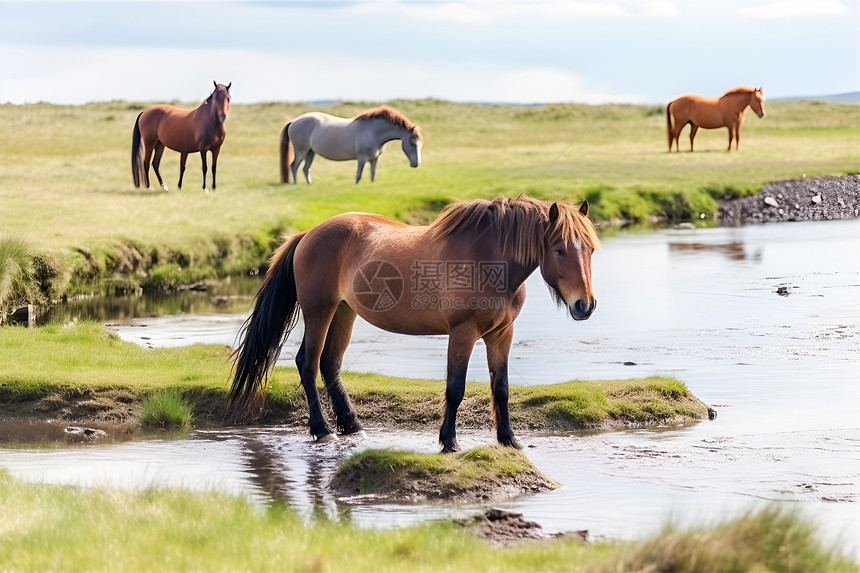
{"type": "Point", "coordinates": [80, 358]}
{"type": "Point", "coordinates": [165, 409]}
{"type": "Point", "coordinates": [21, 272]}
{"type": "Point", "coordinates": [71, 199]}
{"type": "Point", "coordinates": [462, 469]}
{"type": "Point", "coordinates": [63, 528]}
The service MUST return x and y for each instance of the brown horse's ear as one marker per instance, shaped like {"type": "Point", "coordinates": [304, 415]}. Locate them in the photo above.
{"type": "Point", "coordinates": [553, 213]}
{"type": "Point", "coordinates": [583, 209]}
{"type": "Point", "coordinates": [214, 83]}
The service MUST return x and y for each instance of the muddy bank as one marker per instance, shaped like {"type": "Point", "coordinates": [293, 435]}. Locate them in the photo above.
{"type": "Point", "coordinates": [807, 199]}
{"type": "Point", "coordinates": [504, 528]}
{"type": "Point", "coordinates": [117, 411]}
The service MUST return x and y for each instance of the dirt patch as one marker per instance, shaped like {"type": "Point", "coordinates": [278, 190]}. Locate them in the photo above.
{"type": "Point", "coordinates": [503, 529]}
{"type": "Point", "coordinates": [812, 199]}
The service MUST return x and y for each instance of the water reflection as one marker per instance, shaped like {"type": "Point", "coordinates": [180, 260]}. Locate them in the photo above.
{"type": "Point", "coordinates": [734, 251]}
{"type": "Point", "coordinates": [232, 295]}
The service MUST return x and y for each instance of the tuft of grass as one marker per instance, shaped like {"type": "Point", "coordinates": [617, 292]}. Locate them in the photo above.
{"type": "Point", "coordinates": [17, 275]}
{"type": "Point", "coordinates": [379, 467]}
{"type": "Point", "coordinates": [165, 409]}
{"type": "Point", "coordinates": [772, 539]}
{"type": "Point", "coordinates": [65, 528]}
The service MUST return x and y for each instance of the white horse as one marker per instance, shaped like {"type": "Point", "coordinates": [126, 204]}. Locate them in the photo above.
{"type": "Point", "coordinates": [362, 137]}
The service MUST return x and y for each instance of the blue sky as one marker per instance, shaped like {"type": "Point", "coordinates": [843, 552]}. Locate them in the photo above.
{"type": "Point", "coordinates": [590, 51]}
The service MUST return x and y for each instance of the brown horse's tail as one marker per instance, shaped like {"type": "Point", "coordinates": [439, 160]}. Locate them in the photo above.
{"type": "Point", "coordinates": [669, 124]}
{"type": "Point", "coordinates": [276, 311]}
{"type": "Point", "coordinates": [287, 154]}
{"type": "Point", "coordinates": [137, 153]}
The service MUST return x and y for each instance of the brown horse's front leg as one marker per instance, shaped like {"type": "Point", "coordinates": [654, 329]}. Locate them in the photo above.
{"type": "Point", "coordinates": [498, 348]}
{"type": "Point", "coordinates": [215, 152]}
{"type": "Point", "coordinates": [205, 167]}
{"type": "Point", "coordinates": [460, 344]}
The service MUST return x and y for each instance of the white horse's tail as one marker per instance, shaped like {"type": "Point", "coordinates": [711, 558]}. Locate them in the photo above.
{"type": "Point", "coordinates": [287, 154]}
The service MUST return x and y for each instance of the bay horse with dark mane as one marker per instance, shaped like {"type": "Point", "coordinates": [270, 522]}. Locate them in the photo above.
{"type": "Point", "coordinates": [711, 113]}
{"type": "Point", "coordinates": [462, 276]}
{"type": "Point", "coordinates": [363, 138]}
{"type": "Point", "coordinates": [183, 130]}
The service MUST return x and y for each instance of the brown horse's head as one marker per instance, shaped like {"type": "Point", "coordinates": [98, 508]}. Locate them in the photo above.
{"type": "Point", "coordinates": [757, 101]}
{"type": "Point", "coordinates": [566, 264]}
{"type": "Point", "coordinates": [220, 101]}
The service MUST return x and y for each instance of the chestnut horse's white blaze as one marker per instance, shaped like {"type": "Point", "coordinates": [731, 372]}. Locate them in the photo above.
{"type": "Point", "coordinates": [359, 264]}
{"type": "Point", "coordinates": [711, 113]}
{"type": "Point", "coordinates": [362, 137]}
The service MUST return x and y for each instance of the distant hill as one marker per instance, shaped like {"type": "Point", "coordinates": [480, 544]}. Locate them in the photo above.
{"type": "Point", "coordinates": [849, 97]}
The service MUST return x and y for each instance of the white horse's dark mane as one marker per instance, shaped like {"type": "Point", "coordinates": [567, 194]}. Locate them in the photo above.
{"type": "Point", "coordinates": [390, 115]}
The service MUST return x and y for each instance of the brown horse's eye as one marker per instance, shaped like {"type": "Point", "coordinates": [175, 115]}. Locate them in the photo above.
{"type": "Point", "coordinates": [559, 252]}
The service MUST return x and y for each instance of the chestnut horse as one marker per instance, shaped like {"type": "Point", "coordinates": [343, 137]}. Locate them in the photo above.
{"type": "Point", "coordinates": [183, 130]}
{"type": "Point", "coordinates": [461, 276]}
{"type": "Point", "coordinates": [362, 137]}
{"type": "Point", "coordinates": [711, 113]}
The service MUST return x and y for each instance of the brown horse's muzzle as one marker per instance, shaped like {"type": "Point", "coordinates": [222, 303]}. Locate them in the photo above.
{"type": "Point", "coordinates": [582, 308]}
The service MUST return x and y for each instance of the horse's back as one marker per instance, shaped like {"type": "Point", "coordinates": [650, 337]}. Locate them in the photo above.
{"type": "Point", "coordinates": [703, 111]}
{"type": "Point", "coordinates": [364, 254]}
{"type": "Point", "coordinates": [171, 125]}
{"type": "Point", "coordinates": [330, 136]}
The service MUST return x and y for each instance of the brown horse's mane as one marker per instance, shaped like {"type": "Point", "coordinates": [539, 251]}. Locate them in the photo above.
{"type": "Point", "coordinates": [739, 90]}
{"type": "Point", "coordinates": [390, 115]}
{"type": "Point", "coordinates": [520, 225]}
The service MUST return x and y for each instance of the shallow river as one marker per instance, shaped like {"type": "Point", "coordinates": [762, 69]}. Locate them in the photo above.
{"type": "Point", "coordinates": [762, 323]}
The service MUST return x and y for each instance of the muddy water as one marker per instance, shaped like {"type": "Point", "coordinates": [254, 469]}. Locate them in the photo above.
{"type": "Point", "coordinates": [763, 323]}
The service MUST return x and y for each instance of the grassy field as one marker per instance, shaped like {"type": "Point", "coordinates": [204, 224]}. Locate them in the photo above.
{"type": "Point", "coordinates": [67, 195]}
{"type": "Point", "coordinates": [60, 528]}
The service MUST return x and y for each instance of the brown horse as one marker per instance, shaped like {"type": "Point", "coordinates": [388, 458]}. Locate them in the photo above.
{"type": "Point", "coordinates": [711, 113]}
{"type": "Point", "coordinates": [461, 276]}
{"type": "Point", "coordinates": [183, 130]}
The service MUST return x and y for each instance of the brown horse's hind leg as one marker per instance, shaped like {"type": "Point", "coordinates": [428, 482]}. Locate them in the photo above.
{"type": "Point", "coordinates": [498, 347]}
{"type": "Point", "coordinates": [461, 341]}
{"type": "Point", "coordinates": [182, 158]}
{"type": "Point", "coordinates": [156, 162]}
{"type": "Point", "coordinates": [693, 129]}
{"type": "Point", "coordinates": [308, 363]}
{"type": "Point", "coordinates": [336, 341]}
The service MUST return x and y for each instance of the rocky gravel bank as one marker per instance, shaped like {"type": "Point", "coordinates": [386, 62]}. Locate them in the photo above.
{"type": "Point", "coordinates": [807, 199]}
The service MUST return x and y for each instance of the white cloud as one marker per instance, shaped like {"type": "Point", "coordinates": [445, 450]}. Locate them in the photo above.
{"type": "Point", "coordinates": [792, 9]}
{"type": "Point", "coordinates": [79, 75]}
{"type": "Point", "coordinates": [494, 11]}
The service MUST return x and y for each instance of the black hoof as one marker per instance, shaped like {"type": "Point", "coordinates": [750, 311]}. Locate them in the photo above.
{"type": "Point", "coordinates": [350, 428]}
{"type": "Point", "coordinates": [510, 442]}
{"type": "Point", "coordinates": [450, 448]}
